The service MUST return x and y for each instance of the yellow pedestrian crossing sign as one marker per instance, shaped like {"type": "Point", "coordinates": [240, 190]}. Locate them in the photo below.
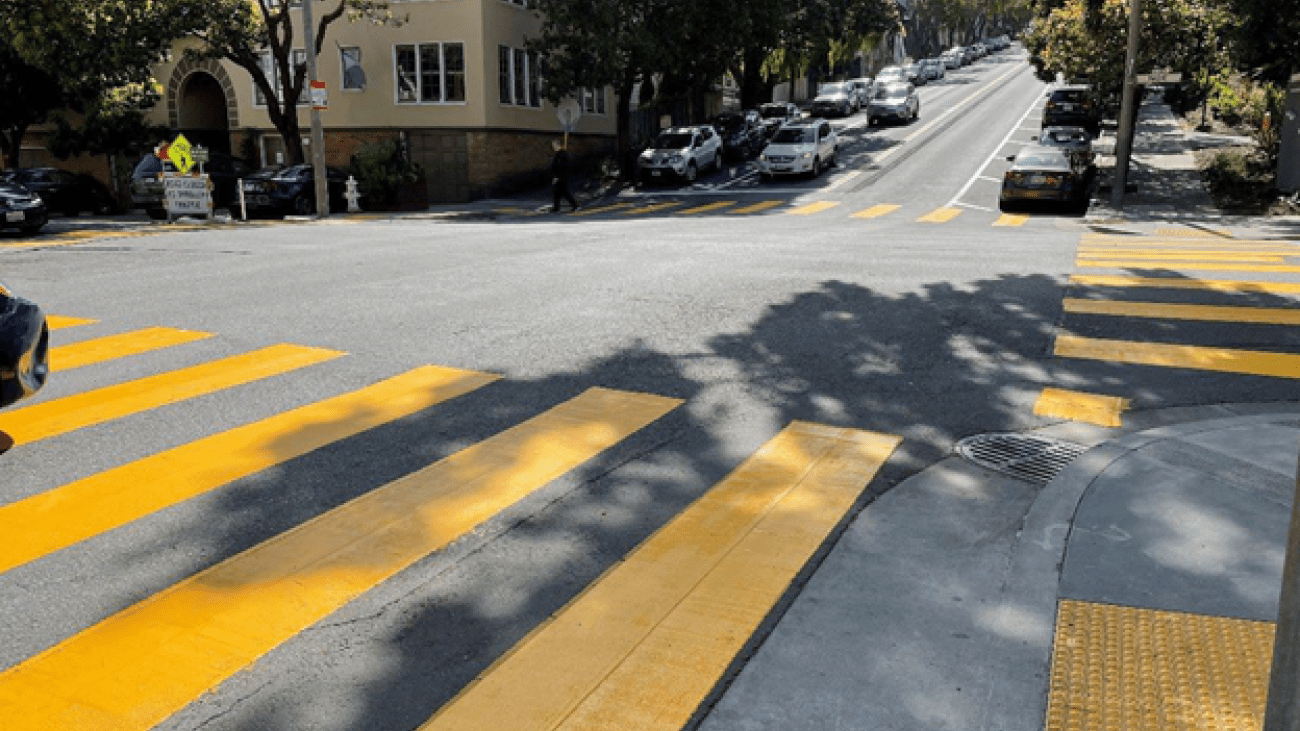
{"type": "Point", "coordinates": [179, 152]}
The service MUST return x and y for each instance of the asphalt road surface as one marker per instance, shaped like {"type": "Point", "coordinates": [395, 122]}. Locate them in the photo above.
{"type": "Point", "coordinates": [191, 557]}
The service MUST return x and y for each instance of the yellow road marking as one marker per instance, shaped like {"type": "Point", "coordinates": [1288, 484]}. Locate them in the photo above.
{"type": "Point", "coordinates": [1215, 285]}
{"type": "Point", "coordinates": [1089, 408]}
{"type": "Point", "coordinates": [1263, 247]}
{"type": "Point", "coordinates": [52, 418]}
{"type": "Point", "coordinates": [1205, 313]}
{"type": "Point", "coordinates": [90, 352]}
{"type": "Point", "coordinates": [1241, 256]}
{"type": "Point", "coordinates": [1223, 360]}
{"type": "Point", "coordinates": [941, 215]}
{"type": "Point", "coordinates": [706, 208]}
{"type": "Point", "coordinates": [59, 322]}
{"type": "Point", "coordinates": [1191, 266]}
{"type": "Point", "coordinates": [644, 645]}
{"type": "Point", "coordinates": [134, 669]}
{"type": "Point", "coordinates": [1011, 219]}
{"type": "Point", "coordinates": [812, 208]}
{"type": "Point", "coordinates": [883, 209]}
{"type": "Point", "coordinates": [1117, 667]}
{"type": "Point", "coordinates": [651, 208]}
{"type": "Point", "coordinates": [602, 209]}
{"type": "Point", "coordinates": [1195, 233]}
{"type": "Point", "coordinates": [761, 206]}
{"type": "Point", "coordinates": [57, 519]}
{"type": "Point", "coordinates": [1182, 243]}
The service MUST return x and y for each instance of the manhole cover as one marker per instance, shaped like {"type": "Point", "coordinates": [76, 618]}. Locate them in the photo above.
{"type": "Point", "coordinates": [1022, 456]}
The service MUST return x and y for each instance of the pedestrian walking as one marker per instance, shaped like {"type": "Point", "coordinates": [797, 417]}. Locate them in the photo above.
{"type": "Point", "coordinates": [560, 170]}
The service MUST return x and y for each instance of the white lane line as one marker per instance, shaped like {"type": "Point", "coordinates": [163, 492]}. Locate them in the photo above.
{"type": "Point", "coordinates": [843, 179]}
{"type": "Point", "coordinates": [990, 178]}
{"type": "Point", "coordinates": [996, 151]}
{"type": "Point", "coordinates": [972, 205]}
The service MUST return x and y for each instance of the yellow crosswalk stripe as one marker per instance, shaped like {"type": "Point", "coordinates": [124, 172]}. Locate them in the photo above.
{"type": "Point", "coordinates": [812, 208]}
{"type": "Point", "coordinates": [652, 208]}
{"type": "Point", "coordinates": [56, 519]}
{"type": "Point", "coordinates": [59, 322]}
{"type": "Point", "coordinates": [1011, 219]}
{"type": "Point", "coordinates": [1214, 285]}
{"type": "Point", "coordinates": [1203, 313]}
{"type": "Point", "coordinates": [1223, 360]}
{"type": "Point", "coordinates": [716, 205]}
{"type": "Point", "coordinates": [1225, 247]}
{"type": "Point", "coordinates": [1185, 243]}
{"type": "Point", "coordinates": [134, 669]}
{"type": "Point", "coordinates": [643, 646]}
{"type": "Point", "coordinates": [1243, 256]}
{"type": "Point", "coordinates": [883, 209]}
{"type": "Point", "coordinates": [59, 416]}
{"type": "Point", "coordinates": [602, 209]}
{"type": "Point", "coordinates": [757, 207]}
{"type": "Point", "coordinates": [1197, 233]}
{"type": "Point", "coordinates": [1089, 408]}
{"type": "Point", "coordinates": [942, 215]}
{"type": "Point", "coordinates": [1188, 266]}
{"type": "Point", "coordinates": [90, 352]}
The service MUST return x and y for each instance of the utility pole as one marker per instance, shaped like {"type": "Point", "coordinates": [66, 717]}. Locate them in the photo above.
{"type": "Point", "coordinates": [1124, 143]}
{"type": "Point", "coordinates": [317, 131]}
{"type": "Point", "coordinates": [1282, 711]}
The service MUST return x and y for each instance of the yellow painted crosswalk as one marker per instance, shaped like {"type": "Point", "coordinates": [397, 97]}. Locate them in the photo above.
{"type": "Point", "coordinates": [77, 355]}
{"type": "Point", "coordinates": [654, 630]}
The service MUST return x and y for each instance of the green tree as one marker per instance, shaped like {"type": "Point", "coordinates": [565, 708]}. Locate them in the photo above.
{"type": "Point", "coordinates": [1268, 37]}
{"type": "Point", "coordinates": [260, 36]}
{"type": "Point", "coordinates": [27, 97]}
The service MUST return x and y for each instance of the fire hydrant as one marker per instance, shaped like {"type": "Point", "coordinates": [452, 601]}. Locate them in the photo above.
{"type": "Point", "coordinates": [353, 196]}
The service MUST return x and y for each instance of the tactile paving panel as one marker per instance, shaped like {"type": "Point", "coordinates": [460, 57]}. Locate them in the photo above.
{"type": "Point", "coordinates": [1130, 669]}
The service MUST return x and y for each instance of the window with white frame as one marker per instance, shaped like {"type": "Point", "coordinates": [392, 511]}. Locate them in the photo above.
{"type": "Point", "coordinates": [272, 71]}
{"type": "Point", "coordinates": [592, 100]}
{"type": "Point", "coordinates": [430, 73]}
{"type": "Point", "coordinates": [354, 78]}
{"type": "Point", "coordinates": [518, 73]}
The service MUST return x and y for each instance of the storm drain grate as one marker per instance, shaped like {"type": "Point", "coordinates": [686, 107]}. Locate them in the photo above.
{"type": "Point", "coordinates": [1022, 456]}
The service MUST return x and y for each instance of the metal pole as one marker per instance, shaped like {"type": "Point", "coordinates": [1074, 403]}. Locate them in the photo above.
{"type": "Point", "coordinates": [1282, 711]}
{"type": "Point", "coordinates": [317, 131]}
{"type": "Point", "coordinates": [1124, 142]}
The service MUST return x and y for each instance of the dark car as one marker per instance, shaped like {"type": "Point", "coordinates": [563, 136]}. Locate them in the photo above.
{"type": "Point", "coordinates": [776, 114]}
{"type": "Point", "coordinates": [24, 347]}
{"type": "Point", "coordinates": [1045, 174]}
{"type": "Point", "coordinates": [1073, 106]}
{"type": "Point", "coordinates": [291, 190]}
{"type": "Point", "coordinates": [1074, 140]}
{"type": "Point", "coordinates": [743, 133]}
{"type": "Point", "coordinates": [21, 209]}
{"type": "Point", "coordinates": [62, 191]}
{"type": "Point", "coordinates": [223, 171]}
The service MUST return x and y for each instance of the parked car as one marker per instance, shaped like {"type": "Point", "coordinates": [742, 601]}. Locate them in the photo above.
{"type": "Point", "coordinates": [681, 152]}
{"type": "Point", "coordinates": [803, 147]}
{"type": "Point", "coordinates": [65, 192]}
{"type": "Point", "coordinates": [776, 114]}
{"type": "Point", "coordinates": [895, 101]}
{"type": "Point", "coordinates": [1045, 174]}
{"type": "Point", "coordinates": [836, 98]}
{"type": "Point", "coordinates": [915, 74]}
{"type": "Point", "coordinates": [743, 134]}
{"type": "Point", "coordinates": [891, 74]}
{"type": "Point", "coordinates": [21, 209]}
{"type": "Point", "coordinates": [932, 68]}
{"type": "Point", "coordinates": [24, 347]}
{"type": "Point", "coordinates": [1074, 140]}
{"type": "Point", "coordinates": [291, 190]}
{"type": "Point", "coordinates": [862, 86]}
{"type": "Point", "coordinates": [951, 59]}
{"type": "Point", "coordinates": [1073, 105]}
{"type": "Point", "coordinates": [223, 171]}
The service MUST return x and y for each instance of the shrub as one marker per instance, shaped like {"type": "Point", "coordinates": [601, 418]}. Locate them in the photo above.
{"type": "Point", "coordinates": [382, 170]}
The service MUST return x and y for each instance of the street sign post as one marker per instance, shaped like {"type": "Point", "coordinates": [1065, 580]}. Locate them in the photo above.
{"type": "Point", "coordinates": [1160, 76]}
{"type": "Point", "coordinates": [180, 153]}
{"type": "Point", "coordinates": [568, 112]}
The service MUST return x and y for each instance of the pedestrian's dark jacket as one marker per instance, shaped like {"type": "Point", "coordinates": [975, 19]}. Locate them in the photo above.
{"type": "Point", "coordinates": [560, 167]}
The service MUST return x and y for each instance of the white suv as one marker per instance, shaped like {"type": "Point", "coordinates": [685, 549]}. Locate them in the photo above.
{"type": "Point", "coordinates": [681, 152]}
{"type": "Point", "coordinates": [805, 146]}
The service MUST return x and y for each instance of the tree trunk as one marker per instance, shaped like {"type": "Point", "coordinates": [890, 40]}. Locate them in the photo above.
{"type": "Point", "coordinates": [11, 143]}
{"type": "Point", "coordinates": [626, 156]}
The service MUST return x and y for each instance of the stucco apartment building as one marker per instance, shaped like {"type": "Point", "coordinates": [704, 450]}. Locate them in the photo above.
{"type": "Point", "coordinates": [454, 83]}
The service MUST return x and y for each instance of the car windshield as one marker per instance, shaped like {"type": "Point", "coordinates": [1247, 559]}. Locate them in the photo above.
{"type": "Point", "coordinates": [672, 141]}
{"type": "Point", "coordinates": [1072, 96]}
{"type": "Point", "coordinates": [152, 165]}
{"type": "Point", "coordinates": [1065, 137]}
{"type": "Point", "coordinates": [728, 122]}
{"type": "Point", "coordinates": [891, 92]}
{"type": "Point", "coordinates": [1040, 159]}
{"type": "Point", "coordinates": [892, 71]}
{"type": "Point", "coordinates": [772, 110]}
{"type": "Point", "coordinates": [831, 89]}
{"type": "Point", "coordinates": [10, 188]}
{"type": "Point", "coordinates": [794, 135]}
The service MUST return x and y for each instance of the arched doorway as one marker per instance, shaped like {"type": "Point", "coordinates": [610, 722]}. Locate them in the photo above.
{"type": "Point", "coordinates": [202, 112]}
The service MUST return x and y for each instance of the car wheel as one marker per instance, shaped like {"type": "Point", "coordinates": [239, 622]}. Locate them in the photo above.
{"type": "Point", "coordinates": [835, 157]}
{"type": "Point", "coordinates": [817, 167]}
{"type": "Point", "coordinates": [691, 172]}
{"type": "Point", "coordinates": [302, 206]}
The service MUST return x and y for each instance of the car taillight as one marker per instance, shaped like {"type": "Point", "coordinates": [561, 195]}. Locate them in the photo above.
{"type": "Point", "coordinates": [1017, 178]}
{"type": "Point", "coordinates": [1051, 105]}
{"type": "Point", "coordinates": [1052, 179]}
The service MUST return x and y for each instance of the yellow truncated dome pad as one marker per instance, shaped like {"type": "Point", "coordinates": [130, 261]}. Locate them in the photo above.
{"type": "Point", "coordinates": [1130, 669]}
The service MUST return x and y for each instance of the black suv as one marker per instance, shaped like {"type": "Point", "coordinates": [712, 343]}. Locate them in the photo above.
{"type": "Point", "coordinates": [62, 191]}
{"type": "Point", "coordinates": [743, 134]}
{"type": "Point", "coordinates": [1073, 106]}
{"type": "Point", "coordinates": [224, 171]}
